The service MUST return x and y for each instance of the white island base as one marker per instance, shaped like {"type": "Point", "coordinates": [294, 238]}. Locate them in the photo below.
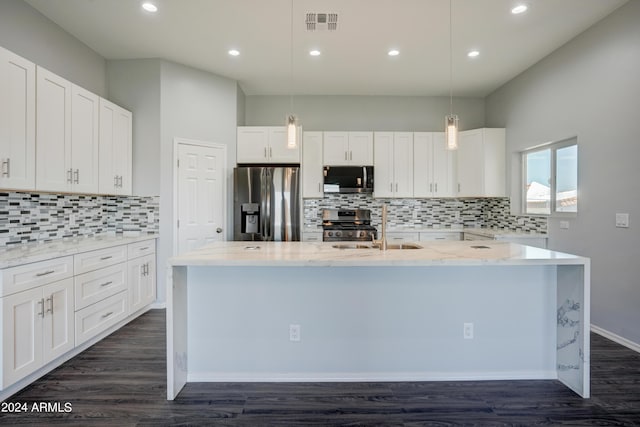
{"type": "Point", "coordinates": [368, 315]}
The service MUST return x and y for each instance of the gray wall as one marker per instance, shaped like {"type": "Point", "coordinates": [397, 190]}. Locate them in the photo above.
{"type": "Point", "coordinates": [241, 105]}
{"type": "Point", "coordinates": [28, 33]}
{"type": "Point", "coordinates": [135, 85]}
{"type": "Point", "coordinates": [589, 88]}
{"type": "Point", "coordinates": [343, 112]}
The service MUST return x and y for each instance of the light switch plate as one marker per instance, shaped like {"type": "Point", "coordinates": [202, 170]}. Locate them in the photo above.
{"type": "Point", "coordinates": [622, 220]}
{"type": "Point", "coordinates": [564, 225]}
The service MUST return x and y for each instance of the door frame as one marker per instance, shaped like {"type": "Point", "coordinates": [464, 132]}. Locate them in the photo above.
{"type": "Point", "coordinates": [185, 141]}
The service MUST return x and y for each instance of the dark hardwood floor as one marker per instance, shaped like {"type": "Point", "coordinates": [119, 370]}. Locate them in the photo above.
{"type": "Point", "coordinates": [121, 382]}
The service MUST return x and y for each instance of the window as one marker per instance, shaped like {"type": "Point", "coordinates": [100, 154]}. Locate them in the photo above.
{"type": "Point", "coordinates": [551, 179]}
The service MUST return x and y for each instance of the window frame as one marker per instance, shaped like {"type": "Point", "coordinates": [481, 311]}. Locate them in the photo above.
{"type": "Point", "coordinates": [553, 147]}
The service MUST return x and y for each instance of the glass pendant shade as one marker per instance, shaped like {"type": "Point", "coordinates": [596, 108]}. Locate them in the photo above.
{"type": "Point", "coordinates": [451, 131]}
{"type": "Point", "coordinates": [292, 131]}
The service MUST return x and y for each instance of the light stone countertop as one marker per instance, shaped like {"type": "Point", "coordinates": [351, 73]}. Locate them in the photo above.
{"type": "Point", "coordinates": [488, 232]}
{"type": "Point", "coordinates": [34, 252]}
{"type": "Point", "coordinates": [323, 254]}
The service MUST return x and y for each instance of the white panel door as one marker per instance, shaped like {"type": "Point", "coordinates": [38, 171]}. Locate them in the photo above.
{"type": "Point", "coordinates": [17, 122]}
{"type": "Point", "coordinates": [383, 168]}
{"type": "Point", "coordinates": [361, 148]}
{"type": "Point", "coordinates": [21, 334]}
{"type": "Point", "coordinates": [279, 152]}
{"type": "Point", "coordinates": [58, 326]}
{"type": "Point", "coordinates": [107, 180]}
{"type": "Point", "coordinates": [123, 147]}
{"type": "Point", "coordinates": [142, 282]}
{"type": "Point", "coordinates": [335, 151]}
{"type": "Point", "coordinates": [53, 132]}
{"type": "Point", "coordinates": [252, 144]}
{"type": "Point", "coordinates": [443, 167]}
{"type": "Point", "coordinates": [470, 164]}
{"type": "Point", "coordinates": [201, 200]}
{"type": "Point", "coordinates": [422, 164]}
{"type": "Point", "coordinates": [84, 140]}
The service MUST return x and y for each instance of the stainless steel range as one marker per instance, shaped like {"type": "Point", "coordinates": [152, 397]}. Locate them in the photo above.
{"type": "Point", "coordinates": [347, 225]}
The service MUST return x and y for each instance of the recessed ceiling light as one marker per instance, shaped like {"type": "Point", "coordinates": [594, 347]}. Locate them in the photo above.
{"type": "Point", "coordinates": [393, 52]}
{"type": "Point", "coordinates": [473, 54]}
{"type": "Point", "coordinates": [234, 52]}
{"type": "Point", "coordinates": [149, 7]}
{"type": "Point", "coordinates": [314, 52]}
{"type": "Point", "coordinates": [521, 8]}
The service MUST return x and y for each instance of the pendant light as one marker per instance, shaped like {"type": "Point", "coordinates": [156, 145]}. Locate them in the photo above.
{"type": "Point", "coordinates": [451, 120]}
{"type": "Point", "coordinates": [292, 120]}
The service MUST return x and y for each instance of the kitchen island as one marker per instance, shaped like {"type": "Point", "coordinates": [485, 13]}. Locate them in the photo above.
{"type": "Point", "coordinates": [300, 311]}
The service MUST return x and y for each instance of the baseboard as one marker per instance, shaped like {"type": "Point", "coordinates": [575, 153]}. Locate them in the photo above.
{"type": "Point", "coordinates": [158, 305]}
{"type": "Point", "coordinates": [368, 376]}
{"type": "Point", "coordinates": [616, 338]}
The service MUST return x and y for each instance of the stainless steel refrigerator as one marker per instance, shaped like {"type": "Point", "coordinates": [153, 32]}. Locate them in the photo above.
{"type": "Point", "coordinates": [266, 203]}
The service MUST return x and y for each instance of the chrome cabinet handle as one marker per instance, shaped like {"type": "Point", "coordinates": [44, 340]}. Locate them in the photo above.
{"type": "Point", "coordinates": [106, 257]}
{"type": "Point", "coordinates": [391, 187]}
{"type": "Point", "coordinates": [76, 176]}
{"type": "Point", "coordinates": [144, 249]}
{"type": "Point", "coordinates": [120, 181]}
{"type": "Point", "coordinates": [319, 188]}
{"type": "Point", "coordinates": [115, 181]}
{"type": "Point", "coordinates": [458, 187]}
{"type": "Point", "coordinates": [45, 273]}
{"type": "Point", "coordinates": [5, 167]}
{"type": "Point", "coordinates": [107, 314]}
{"type": "Point", "coordinates": [106, 283]}
{"type": "Point", "coordinates": [70, 176]}
{"type": "Point", "coordinates": [265, 152]}
{"type": "Point", "coordinates": [50, 301]}
{"type": "Point", "coordinates": [396, 187]}
{"type": "Point", "coordinates": [346, 155]}
{"type": "Point", "coordinates": [350, 155]}
{"type": "Point", "coordinates": [41, 302]}
{"type": "Point", "coordinates": [270, 152]}
{"type": "Point", "coordinates": [436, 187]}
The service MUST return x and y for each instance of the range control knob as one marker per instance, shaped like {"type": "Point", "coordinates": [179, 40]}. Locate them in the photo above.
{"type": "Point", "coordinates": [338, 233]}
{"type": "Point", "coordinates": [330, 233]}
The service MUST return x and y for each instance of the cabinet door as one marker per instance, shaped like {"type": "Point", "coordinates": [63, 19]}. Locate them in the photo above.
{"type": "Point", "coordinates": [142, 283]}
{"type": "Point", "coordinates": [17, 122]}
{"type": "Point", "coordinates": [403, 164]}
{"type": "Point", "coordinates": [383, 167]}
{"type": "Point", "coordinates": [252, 144]}
{"type": "Point", "coordinates": [53, 132]}
{"type": "Point", "coordinates": [335, 150]}
{"type": "Point", "coordinates": [123, 151]}
{"type": "Point", "coordinates": [22, 317]}
{"type": "Point", "coordinates": [443, 170]}
{"type": "Point", "coordinates": [84, 140]}
{"type": "Point", "coordinates": [361, 148]}
{"type": "Point", "coordinates": [58, 327]}
{"type": "Point", "coordinates": [470, 164]}
{"type": "Point", "coordinates": [312, 177]}
{"type": "Point", "coordinates": [279, 152]}
{"type": "Point", "coordinates": [422, 164]}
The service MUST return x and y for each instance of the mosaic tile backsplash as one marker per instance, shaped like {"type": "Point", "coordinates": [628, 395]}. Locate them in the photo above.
{"type": "Point", "coordinates": [444, 213]}
{"type": "Point", "coordinates": [36, 217]}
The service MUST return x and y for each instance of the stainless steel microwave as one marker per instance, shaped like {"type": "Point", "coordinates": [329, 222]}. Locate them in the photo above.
{"type": "Point", "coordinates": [348, 179]}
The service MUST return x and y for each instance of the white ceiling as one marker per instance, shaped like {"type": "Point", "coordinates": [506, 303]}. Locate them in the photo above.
{"type": "Point", "coordinates": [354, 58]}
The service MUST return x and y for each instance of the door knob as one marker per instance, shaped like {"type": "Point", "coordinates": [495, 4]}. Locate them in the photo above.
{"type": "Point", "coordinates": [218, 230]}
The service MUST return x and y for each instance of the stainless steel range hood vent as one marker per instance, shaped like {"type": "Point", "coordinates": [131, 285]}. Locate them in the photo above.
{"type": "Point", "coordinates": [321, 21]}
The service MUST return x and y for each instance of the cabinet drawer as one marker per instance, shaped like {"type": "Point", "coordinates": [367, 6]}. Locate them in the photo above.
{"type": "Point", "coordinates": [16, 279]}
{"type": "Point", "coordinates": [473, 236]}
{"type": "Point", "coordinates": [101, 258]}
{"type": "Point", "coordinates": [143, 248]}
{"type": "Point", "coordinates": [99, 284]}
{"type": "Point", "coordinates": [401, 237]}
{"type": "Point", "coordinates": [440, 236]}
{"type": "Point", "coordinates": [96, 318]}
{"type": "Point", "coordinates": [311, 237]}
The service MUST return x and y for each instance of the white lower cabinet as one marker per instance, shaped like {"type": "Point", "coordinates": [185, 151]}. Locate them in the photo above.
{"type": "Point", "coordinates": [142, 282]}
{"type": "Point", "coordinates": [98, 317]}
{"type": "Point", "coordinates": [437, 236]}
{"type": "Point", "coordinates": [37, 327]}
{"type": "Point", "coordinates": [47, 311]}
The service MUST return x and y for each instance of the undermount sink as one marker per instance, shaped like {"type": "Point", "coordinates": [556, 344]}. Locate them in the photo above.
{"type": "Point", "coordinates": [389, 247]}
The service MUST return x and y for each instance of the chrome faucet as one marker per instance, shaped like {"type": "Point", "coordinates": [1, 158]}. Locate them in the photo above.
{"type": "Point", "coordinates": [382, 242]}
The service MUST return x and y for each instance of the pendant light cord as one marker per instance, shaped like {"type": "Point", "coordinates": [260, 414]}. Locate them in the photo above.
{"type": "Point", "coordinates": [450, 59]}
{"type": "Point", "coordinates": [291, 59]}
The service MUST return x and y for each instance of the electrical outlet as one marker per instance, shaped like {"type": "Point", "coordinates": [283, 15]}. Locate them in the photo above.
{"type": "Point", "coordinates": [72, 220]}
{"type": "Point", "coordinates": [622, 220]}
{"type": "Point", "coordinates": [294, 333]}
{"type": "Point", "coordinates": [564, 225]}
{"type": "Point", "coordinates": [520, 221]}
{"type": "Point", "coordinates": [415, 214]}
{"type": "Point", "coordinates": [467, 331]}
{"type": "Point", "coordinates": [151, 217]}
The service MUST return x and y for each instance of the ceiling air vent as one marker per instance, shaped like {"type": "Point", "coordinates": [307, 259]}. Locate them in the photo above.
{"type": "Point", "coordinates": [322, 21]}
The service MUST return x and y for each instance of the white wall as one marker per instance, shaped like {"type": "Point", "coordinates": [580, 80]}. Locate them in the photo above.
{"type": "Point", "coordinates": [28, 33]}
{"type": "Point", "coordinates": [589, 88]}
{"type": "Point", "coordinates": [135, 85]}
{"type": "Point", "coordinates": [337, 112]}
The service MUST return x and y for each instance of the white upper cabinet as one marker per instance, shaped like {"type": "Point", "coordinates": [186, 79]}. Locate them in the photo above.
{"type": "Point", "coordinates": [67, 136]}
{"type": "Point", "coordinates": [85, 107]}
{"type": "Point", "coordinates": [17, 122]}
{"type": "Point", "coordinates": [53, 142]}
{"type": "Point", "coordinates": [348, 148]}
{"type": "Point", "coordinates": [393, 168]}
{"type": "Point", "coordinates": [265, 144]}
{"type": "Point", "coordinates": [433, 166]}
{"type": "Point", "coordinates": [115, 149]}
{"type": "Point", "coordinates": [481, 163]}
{"type": "Point", "coordinates": [312, 172]}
